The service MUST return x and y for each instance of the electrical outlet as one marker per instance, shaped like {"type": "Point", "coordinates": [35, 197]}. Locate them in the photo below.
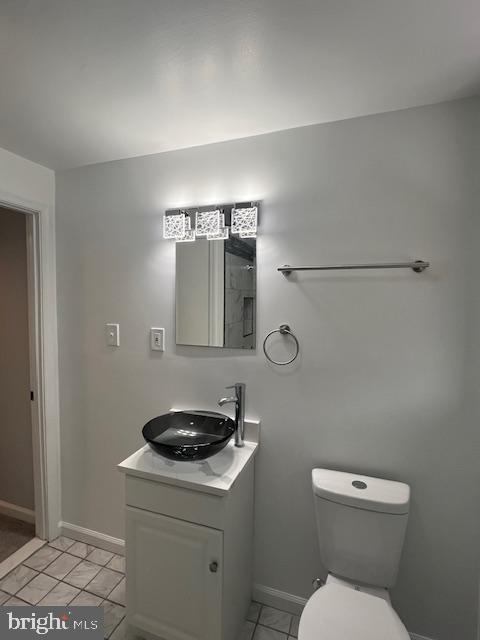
{"type": "Point", "coordinates": [157, 339]}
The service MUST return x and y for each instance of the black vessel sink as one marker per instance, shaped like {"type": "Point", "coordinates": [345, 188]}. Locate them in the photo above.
{"type": "Point", "coordinates": [189, 435]}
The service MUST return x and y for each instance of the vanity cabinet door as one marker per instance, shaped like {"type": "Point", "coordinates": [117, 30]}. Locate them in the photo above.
{"type": "Point", "coordinates": [174, 585]}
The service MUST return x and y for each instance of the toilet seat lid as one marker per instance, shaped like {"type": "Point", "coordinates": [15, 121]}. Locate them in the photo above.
{"type": "Point", "coordinates": [335, 612]}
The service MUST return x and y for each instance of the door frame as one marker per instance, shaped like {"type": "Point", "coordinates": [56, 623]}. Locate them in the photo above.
{"type": "Point", "coordinates": [43, 347]}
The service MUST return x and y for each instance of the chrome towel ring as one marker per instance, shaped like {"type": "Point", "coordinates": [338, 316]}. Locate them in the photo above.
{"type": "Point", "coordinates": [284, 330]}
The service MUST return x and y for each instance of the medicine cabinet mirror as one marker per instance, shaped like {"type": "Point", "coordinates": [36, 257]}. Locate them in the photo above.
{"type": "Point", "coordinates": [216, 293]}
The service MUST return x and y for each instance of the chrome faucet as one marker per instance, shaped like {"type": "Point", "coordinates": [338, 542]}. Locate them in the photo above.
{"type": "Point", "coordinates": [239, 400]}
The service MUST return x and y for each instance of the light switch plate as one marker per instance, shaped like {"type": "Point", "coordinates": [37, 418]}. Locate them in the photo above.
{"type": "Point", "coordinates": [112, 332]}
{"type": "Point", "coordinates": [157, 339]}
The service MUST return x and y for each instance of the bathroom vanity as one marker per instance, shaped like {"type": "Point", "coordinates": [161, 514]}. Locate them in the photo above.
{"type": "Point", "coordinates": [189, 543]}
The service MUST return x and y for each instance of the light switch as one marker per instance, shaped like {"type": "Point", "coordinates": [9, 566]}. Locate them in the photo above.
{"type": "Point", "coordinates": [157, 339]}
{"type": "Point", "coordinates": [113, 335]}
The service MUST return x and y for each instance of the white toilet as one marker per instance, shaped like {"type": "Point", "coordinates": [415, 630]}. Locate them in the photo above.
{"type": "Point", "coordinates": [361, 525]}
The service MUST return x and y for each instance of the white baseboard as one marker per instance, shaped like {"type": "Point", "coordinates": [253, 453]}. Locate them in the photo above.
{"type": "Point", "coordinates": [14, 511]}
{"type": "Point", "coordinates": [278, 599]}
{"type": "Point", "coordinates": [415, 636]}
{"type": "Point", "coordinates": [95, 538]}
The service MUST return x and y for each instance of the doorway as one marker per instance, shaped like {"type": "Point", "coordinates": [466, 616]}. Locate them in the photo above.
{"type": "Point", "coordinates": [17, 499]}
{"type": "Point", "coordinates": [39, 348]}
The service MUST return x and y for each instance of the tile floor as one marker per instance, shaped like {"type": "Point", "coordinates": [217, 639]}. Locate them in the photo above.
{"type": "Point", "coordinates": [266, 623]}
{"type": "Point", "coordinates": [66, 572]}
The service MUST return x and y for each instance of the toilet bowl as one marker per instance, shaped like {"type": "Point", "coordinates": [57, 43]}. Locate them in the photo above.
{"type": "Point", "coordinates": [361, 523]}
{"type": "Point", "coordinates": [341, 612]}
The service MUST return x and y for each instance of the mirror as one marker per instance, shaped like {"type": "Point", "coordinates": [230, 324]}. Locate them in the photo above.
{"type": "Point", "coordinates": [216, 293]}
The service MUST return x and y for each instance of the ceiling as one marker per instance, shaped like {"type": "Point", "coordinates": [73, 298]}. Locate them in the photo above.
{"type": "Point", "coordinates": [85, 81]}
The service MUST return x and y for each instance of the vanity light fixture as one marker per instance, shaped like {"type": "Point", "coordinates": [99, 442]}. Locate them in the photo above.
{"type": "Point", "coordinates": [176, 226]}
{"type": "Point", "coordinates": [244, 221]}
{"type": "Point", "coordinates": [189, 233]}
{"type": "Point", "coordinates": [213, 223]}
{"type": "Point", "coordinates": [222, 233]}
{"type": "Point", "coordinates": [207, 222]}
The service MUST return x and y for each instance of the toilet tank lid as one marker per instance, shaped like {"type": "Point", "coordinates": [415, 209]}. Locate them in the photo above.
{"type": "Point", "coordinates": [362, 492]}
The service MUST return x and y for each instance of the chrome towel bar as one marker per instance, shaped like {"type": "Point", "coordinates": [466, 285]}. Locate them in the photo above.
{"type": "Point", "coordinates": [418, 266]}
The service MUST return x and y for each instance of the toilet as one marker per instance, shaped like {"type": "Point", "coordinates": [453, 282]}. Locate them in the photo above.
{"type": "Point", "coordinates": [361, 523]}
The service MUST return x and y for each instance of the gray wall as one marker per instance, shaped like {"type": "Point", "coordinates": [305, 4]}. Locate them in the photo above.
{"type": "Point", "coordinates": [381, 385]}
{"type": "Point", "coordinates": [16, 463]}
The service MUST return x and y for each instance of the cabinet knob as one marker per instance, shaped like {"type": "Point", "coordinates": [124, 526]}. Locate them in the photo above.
{"type": "Point", "coordinates": [213, 567]}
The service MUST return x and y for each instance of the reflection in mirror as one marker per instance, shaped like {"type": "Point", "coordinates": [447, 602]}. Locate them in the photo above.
{"type": "Point", "coordinates": [216, 293]}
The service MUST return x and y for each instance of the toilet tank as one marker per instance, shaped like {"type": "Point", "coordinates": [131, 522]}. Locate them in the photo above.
{"type": "Point", "coordinates": [361, 524]}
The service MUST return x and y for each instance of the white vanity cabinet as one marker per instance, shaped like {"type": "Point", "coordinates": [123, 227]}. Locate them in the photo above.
{"type": "Point", "coordinates": [172, 591]}
{"type": "Point", "coordinates": [189, 544]}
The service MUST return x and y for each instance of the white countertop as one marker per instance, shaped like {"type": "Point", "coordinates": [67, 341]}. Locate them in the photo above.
{"type": "Point", "coordinates": [214, 475]}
